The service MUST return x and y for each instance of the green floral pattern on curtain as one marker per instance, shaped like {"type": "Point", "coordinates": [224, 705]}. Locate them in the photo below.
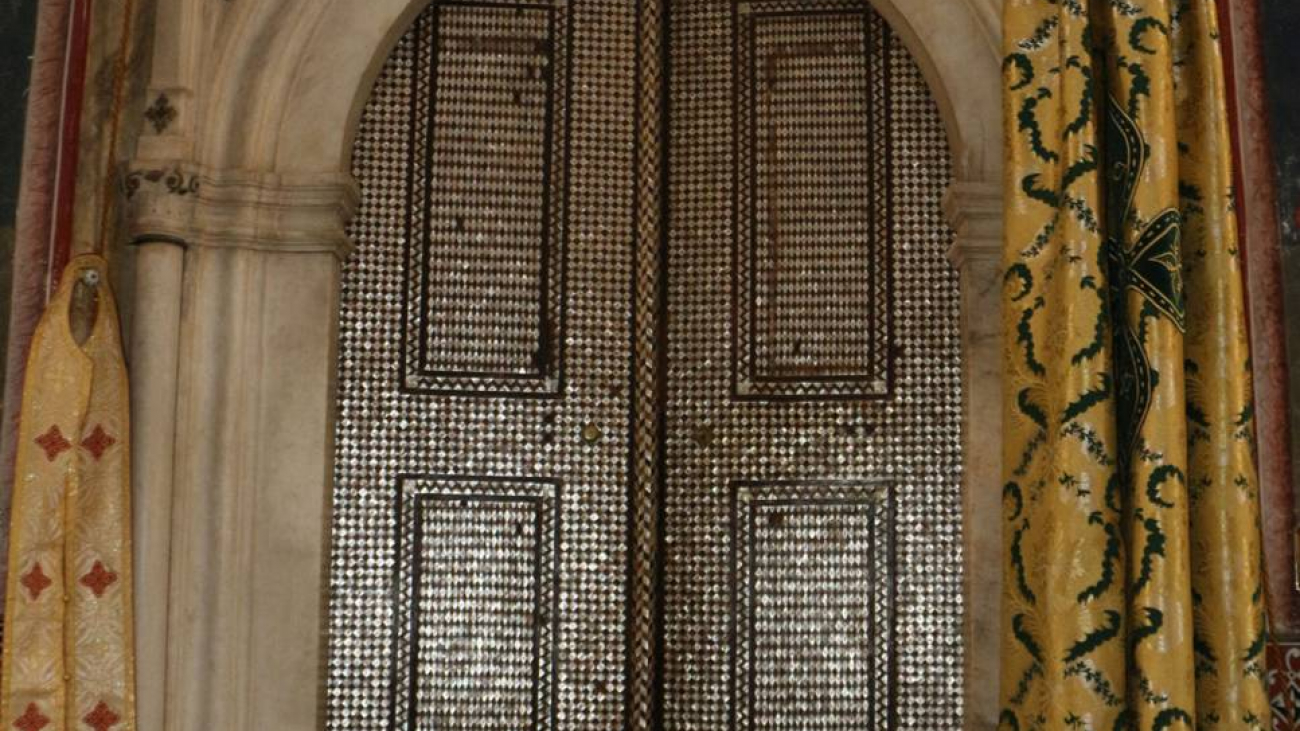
{"type": "Point", "coordinates": [1133, 594]}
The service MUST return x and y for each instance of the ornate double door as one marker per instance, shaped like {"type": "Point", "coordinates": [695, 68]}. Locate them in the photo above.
{"type": "Point", "coordinates": [649, 396]}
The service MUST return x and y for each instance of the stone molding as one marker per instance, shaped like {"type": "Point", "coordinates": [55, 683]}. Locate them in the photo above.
{"type": "Point", "coordinates": [974, 210]}
{"type": "Point", "coordinates": [197, 206]}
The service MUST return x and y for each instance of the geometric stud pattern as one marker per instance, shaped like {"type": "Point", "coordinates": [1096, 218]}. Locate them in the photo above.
{"type": "Point", "coordinates": [814, 241]}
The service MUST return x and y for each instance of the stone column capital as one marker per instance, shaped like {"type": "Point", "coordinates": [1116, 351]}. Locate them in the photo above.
{"type": "Point", "coordinates": [974, 209]}
{"type": "Point", "coordinates": [189, 204]}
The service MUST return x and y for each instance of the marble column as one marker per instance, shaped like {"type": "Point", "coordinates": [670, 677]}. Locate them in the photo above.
{"type": "Point", "coordinates": [237, 325]}
{"type": "Point", "coordinates": [152, 349]}
{"type": "Point", "coordinates": [975, 211]}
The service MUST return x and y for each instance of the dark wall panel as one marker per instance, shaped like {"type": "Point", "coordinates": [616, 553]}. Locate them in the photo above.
{"type": "Point", "coordinates": [17, 31]}
{"type": "Point", "coordinates": [1280, 25]}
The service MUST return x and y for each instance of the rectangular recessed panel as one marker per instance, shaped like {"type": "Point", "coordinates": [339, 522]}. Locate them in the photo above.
{"type": "Point", "coordinates": [813, 242]}
{"type": "Point", "coordinates": [477, 566]}
{"type": "Point", "coordinates": [808, 574]}
{"type": "Point", "coordinates": [812, 595]}
{"type": "Point", "coordinates": [486, 229]}
{"type": "Point", "coordinates": [397, 417]}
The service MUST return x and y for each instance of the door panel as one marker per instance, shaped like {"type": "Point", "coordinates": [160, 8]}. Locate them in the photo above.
{"type": "Point", "coordinates": [812, 573]}
{"type": "Point", "coordinates": [484, 310]}
{"type": "Point", "coordinates": [479, 575]}
{"type": "Point", "coordinates": [572, 496]}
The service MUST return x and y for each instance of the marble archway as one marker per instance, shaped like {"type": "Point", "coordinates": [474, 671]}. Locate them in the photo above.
{"type": "Point", "coordinates": [241, 233]}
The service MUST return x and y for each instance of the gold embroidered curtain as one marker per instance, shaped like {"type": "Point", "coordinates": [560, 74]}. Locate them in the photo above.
{"type": "Point", "coordinates": [1133, 594]}
{"type": "Point", "coordinates": [68, 655]}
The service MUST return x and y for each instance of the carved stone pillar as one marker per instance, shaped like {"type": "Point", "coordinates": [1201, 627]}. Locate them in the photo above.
{"type": "Point", "coordinates": [975, 211]}
{"type": "Point", "coordinates": [154, 336]}
{"type": "Point", "coordinates": [233, 397]}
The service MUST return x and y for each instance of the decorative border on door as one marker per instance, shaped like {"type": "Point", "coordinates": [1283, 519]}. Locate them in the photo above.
{"type": "Point", "coordinates": [646, 419]}
{"type": "Point", "coordinates": [442, 524]}
{"type": "Point", "coordinates": [455, 171]}
{"type": "Point", "coordinates": [804, 286]}
{"type": "Point", "coordinates": [784, 612]}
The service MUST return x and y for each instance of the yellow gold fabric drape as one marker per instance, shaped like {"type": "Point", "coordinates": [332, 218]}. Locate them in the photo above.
{"type": "Point", "coordinates": [68, 654]}
{"type": "Point", "coordinates": [1133, 595]}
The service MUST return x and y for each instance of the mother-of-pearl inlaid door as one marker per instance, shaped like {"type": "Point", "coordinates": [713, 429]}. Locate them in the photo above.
{"type": "Point", "coordinates": [640, 440]}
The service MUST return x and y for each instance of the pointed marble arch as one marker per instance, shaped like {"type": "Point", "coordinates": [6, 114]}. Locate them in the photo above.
{"type": "Point", "coordinates": [345, 47]}
{"type": "Point", "coordinates": [239, 207]}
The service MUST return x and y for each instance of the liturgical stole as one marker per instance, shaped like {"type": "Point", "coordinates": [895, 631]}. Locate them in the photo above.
{"type": "Point", "coordinates": [68, 653]}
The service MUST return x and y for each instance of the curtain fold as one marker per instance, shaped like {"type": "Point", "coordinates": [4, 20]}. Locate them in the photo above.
{"type": "Point", "coordinates": [1133, 593]}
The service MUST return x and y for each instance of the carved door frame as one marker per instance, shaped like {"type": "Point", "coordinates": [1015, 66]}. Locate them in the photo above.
{"type": "Point", "coordinates": [240, 239]}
